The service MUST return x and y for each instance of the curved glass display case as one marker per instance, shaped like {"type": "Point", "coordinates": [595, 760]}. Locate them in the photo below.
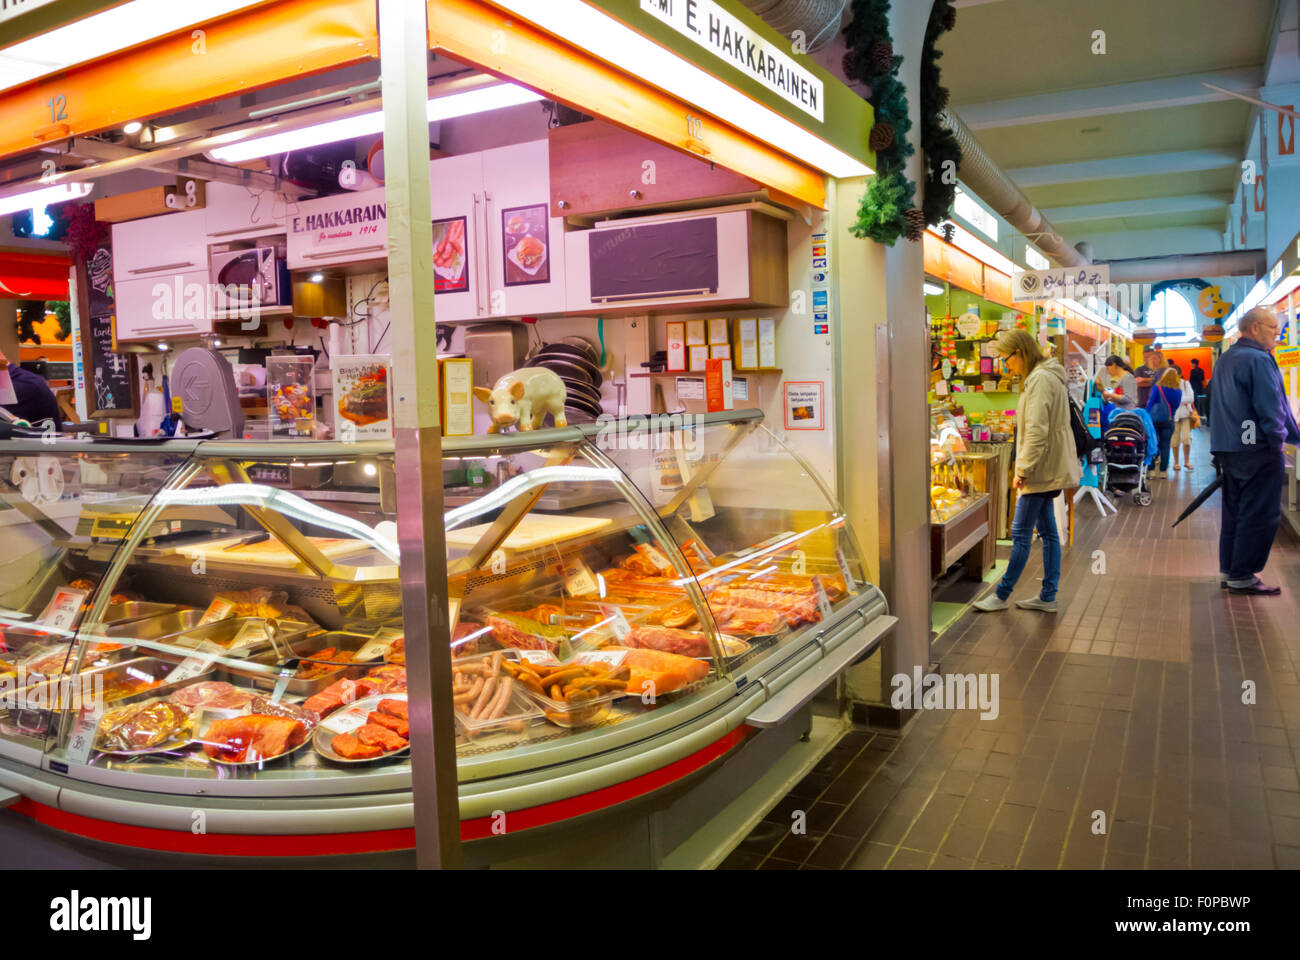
{"type": "Point", "coordinates": [224, 619]}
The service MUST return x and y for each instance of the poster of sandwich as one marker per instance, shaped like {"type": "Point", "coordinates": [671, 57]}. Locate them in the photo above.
{"type": "Point", "coordinates": [450, 256]}
{"type": "Point", "coordinates": [361, 389]}
{"type": "Point", "coordinates": [526, 241]}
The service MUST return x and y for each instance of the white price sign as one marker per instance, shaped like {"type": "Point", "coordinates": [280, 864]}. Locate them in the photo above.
{"type": "Point", "coordinates": [345, 722]}
{"type": "Point", "coordinates": [544, 657]}
{"type": "Point", "coordinates": [823, 601]}
{"type": "Point", "coordinates": [843, 561]}
{"type": "Point", "coordinates": [618, 622]}
{"type": "Point", "coordinates": [612, 657]}
{"type": "Point", "coordinates": [81, 740]}
{"type": "Point", "coordinates": [61, 612]}
{"type": "Point", "coordinates": [579, 581]}
{"type": "Point", "coordinates": [196, 664]}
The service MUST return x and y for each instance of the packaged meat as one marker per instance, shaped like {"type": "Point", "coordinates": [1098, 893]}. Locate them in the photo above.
{"type": "Point", "coordinates": [142, 726]}
{"type": "Point", "coordinates": [211, 693]}
{"type": "Point", "coordinates": [687, 643]}
{"type": "Point", "coordinates": [252, 738]}
{"type": "Point", "coordinates": [522, 633]}
{"type": "Point", "coordinates": [350, 748]}
{"type": "Point", "coordinates": [666, 671]}
{"type": "Point", "coordinates": [308, 718]}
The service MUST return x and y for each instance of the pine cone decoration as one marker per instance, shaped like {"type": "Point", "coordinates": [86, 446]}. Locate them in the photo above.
{"type": "Point", "coordinates": [915, 221]}
{"type": "Point", "coordinates": [950, 18]}
{"type": "Point", "coordinates": [949, 231]}
{"type": "Point", "coordinates": [882, 57]}
{"type": "Point", "coordinates": [882, 137]}
{"type": "Point", "coordinates": [941, 95]}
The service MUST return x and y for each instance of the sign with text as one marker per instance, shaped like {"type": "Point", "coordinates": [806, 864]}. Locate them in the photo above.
{"type": "Point", "coordinates": [1069, 282]}
{"type": "Point", "coordinates": [722, 34]}
{"type": "Point", "coordinates": [1287, 357]}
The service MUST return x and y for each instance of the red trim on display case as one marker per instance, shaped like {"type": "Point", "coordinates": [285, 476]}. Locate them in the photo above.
{"type": "Point", "coordinates": [373, 841]}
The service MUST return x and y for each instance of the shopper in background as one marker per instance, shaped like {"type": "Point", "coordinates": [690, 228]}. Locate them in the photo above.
{"type": "Point", "coordinates": [1046, 464]}
{"type": "Point", "coordinates": [1250, 420]}
{"type": "Point", "coordinates": [1176, 367]}
{"type": "Point", "coordinates": [1197, 379]}
{"type": "Point", "coordinates": [1166, 397]}
{"type": "Point", "coordinates": [36, 403]}
{"type": "Point", "coordinates": [1185, 419]}
{"type": "Point", "coordinates": [1125, 393]}
{"type": "Point", "coordinates": [1153, 362]}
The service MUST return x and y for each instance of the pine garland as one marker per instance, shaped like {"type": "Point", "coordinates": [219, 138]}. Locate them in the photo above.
{"type": "Point", "coordinates": [942, 151]}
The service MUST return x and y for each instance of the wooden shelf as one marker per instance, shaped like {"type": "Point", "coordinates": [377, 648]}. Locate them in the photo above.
{"type": "Point", "coordinates": [699, 373]}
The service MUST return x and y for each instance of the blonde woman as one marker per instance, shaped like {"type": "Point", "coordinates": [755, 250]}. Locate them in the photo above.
{"type": "Point", "coordinates": [1046, 464]}
{"type": "Point", "coordinates": [1185, 420]}
{"type": "Point", "coordinates": [1164, 403]}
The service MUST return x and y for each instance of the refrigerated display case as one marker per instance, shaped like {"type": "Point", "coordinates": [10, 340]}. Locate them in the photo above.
{"type": "Point", "coordinates": [959, 502]}
{"type": "Point", "coordinates": [644, 613]}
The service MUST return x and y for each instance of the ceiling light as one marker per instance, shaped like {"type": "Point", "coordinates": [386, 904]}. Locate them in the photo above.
{"type": "Point", "coordinates": [1282, 289]}
{"type": "Point", "coordinates": [162, 347]}
{"type": "Point", "coordinates": [125, 25]}
{"type": "Point", "coordinates": [933, 290]}
{"type": "Point", "coordinates": [445, 107]}
{"type": "Point", "coordinates": [31, 199]}
{"type": "Point", "coordinates": [132, 128]}
{"type": "Point", "coordinates": [317, 277]}
{"type": "Point", "coordinates": [963, 239]}
{"type": "Point", "coordinates": [616, 43]}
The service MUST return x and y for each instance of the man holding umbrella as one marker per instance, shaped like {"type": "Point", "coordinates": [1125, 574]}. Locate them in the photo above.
{"type": "Point", "coordinates": [1250, 419]}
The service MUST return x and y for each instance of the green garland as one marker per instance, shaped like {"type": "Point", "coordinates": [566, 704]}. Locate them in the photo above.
{"type": "Point", "coordinates": [942, 151]}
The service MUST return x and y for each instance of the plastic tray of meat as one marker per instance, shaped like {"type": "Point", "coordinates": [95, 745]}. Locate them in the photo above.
{"type": "Point", "coordinates": [220, 732]}
{"type": "Point", "coordinates": [156, 725]}
{"type": "Point", "coordinates": [487, 699]}
{"type": "Point", "coordinates": [342, 731]}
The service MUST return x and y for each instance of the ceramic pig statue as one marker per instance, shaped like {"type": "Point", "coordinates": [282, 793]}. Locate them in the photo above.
{"type": "Point", "coordinates": [524, 398]}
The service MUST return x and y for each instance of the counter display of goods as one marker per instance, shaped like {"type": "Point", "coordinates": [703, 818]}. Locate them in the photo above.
{"type": "Point", "coordinates": [245, 641]}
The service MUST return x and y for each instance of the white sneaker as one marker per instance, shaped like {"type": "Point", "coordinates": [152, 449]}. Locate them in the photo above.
{"type": "Point", "coordinates": [1037, 603]}
{"type": "Point", "coordinates": [990, 603]}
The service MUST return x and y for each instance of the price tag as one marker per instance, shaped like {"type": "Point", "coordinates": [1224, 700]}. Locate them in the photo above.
{"type": "Point", "coordinates": [844, 569]}
{"type": "Point", "coordinates": [544, 657]}
{"type": "Point", "coordinates": [654, 555]}
{"type": "Point", "coordinates": [177, 405]}
{"type": "Point", "coordinates": [345, 722]}
{"type": "Point", "coordinates": [81, 740]}
{"type": "Point", "coordinates": [218, 609]}
{"type": "Point", "coordinates": [823, 601]}
{"type": "Point", "coordinates": [254, 631]}
{"type": "Point", "coordinates": [618, 622]}
{"type": "Point", "coordinates": [198, 663]}
{"type": "Point", "coordinates": [579, 581]}
{"type": "Point", "coordinates": [701, 505]}
{"type": "Point", "coordinates": [612, 657]}
{"type": "Point", "coordinates": [61, 612]}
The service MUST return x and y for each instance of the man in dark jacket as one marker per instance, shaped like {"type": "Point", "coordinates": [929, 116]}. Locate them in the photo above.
{"type": "Point", "coordinates": [1250, 419]}
{"type": "Point", "coordinates": [36, 403]}
{"type": "Point", "coordinates": [1197, 379]}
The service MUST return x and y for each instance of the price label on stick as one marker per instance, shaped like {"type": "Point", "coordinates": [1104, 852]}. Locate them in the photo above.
{"type": "Point", "coordinates": [81, 739]}
{"type": "Point", "coordinates": [544, 657]}
{"type": "Point", "coordinates": [196, 664]}
{"type": "Point", "coordinates": [618, 622]}
{"type": "Point", "coordinates": [345, 722]}
{"type": "Point", "coordinates": [842, 560]}
{"type": "Point", "coordinates": [823, 601]}
{"type": "Point", "coordinates": [579, 581]}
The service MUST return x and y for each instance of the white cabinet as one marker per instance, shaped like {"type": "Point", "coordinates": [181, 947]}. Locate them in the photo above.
{"type": "Point", "coordinates": [349, 228]}
{"type": "Point", "coordinates": [513, 249]}
{"type": "Point", "coordinates": [160, 246]}
{"type": "Point", "coordinates": [235, 212]}
{"type": "Point", "coordinates": [164, 306]}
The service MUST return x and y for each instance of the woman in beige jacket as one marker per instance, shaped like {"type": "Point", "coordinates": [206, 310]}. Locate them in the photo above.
{"type": "Point", "coordinates": [1046, 464]}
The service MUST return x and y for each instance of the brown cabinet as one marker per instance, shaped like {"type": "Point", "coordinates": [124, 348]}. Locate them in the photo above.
{"type": "Point", "coordinates": [599, 168]}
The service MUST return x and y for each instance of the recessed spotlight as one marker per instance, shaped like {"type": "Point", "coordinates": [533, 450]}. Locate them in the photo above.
{"type": "Point", "coordinates": [132, 128]}
{"type": "Point", "coordinates": [317, 277]}
{"type": "Point", "coordinates": [369, 469]}
{"type": "Point", "coordinates": [216, 343]}
{"type": "Point", "coordinates": [162, 347]}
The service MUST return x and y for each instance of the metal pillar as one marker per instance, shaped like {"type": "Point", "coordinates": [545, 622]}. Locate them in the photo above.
{"type": "Point", "coordinates": [404, 74]}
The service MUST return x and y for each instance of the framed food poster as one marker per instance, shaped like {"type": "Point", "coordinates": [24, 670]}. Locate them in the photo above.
{"type": "Point", "coordinates": [362, 393]}
{"type": "Point", "coordinates": [526, 244]}
{"type": "Point", "coordinates": [291, 395]}
{"type": "Point", "coordinates": [805, 405]}
{"type": "Point", "coordinates": [450, 256]}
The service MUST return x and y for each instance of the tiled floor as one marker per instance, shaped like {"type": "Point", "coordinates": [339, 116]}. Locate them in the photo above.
{"type": "Point", "coordinates": [1127, 704]}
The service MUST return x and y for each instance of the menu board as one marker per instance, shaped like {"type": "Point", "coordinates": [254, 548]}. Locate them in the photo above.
{"type": "Point", "coordinates": [112, 387]}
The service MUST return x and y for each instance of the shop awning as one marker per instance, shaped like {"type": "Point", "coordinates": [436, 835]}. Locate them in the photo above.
{"type": "Point", "coordinates": [31, 276]}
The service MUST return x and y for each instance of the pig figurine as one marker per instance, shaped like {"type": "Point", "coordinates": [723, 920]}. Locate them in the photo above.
{"type": "Point", "coordinates": [524, 398]}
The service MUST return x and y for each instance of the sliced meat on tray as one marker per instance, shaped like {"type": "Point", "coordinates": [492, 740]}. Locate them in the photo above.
{"type": "Point", "coordinates": [395, 724]}
{"type": "Point", "coordinates": [350, 748]}
{"type": "Point", "coordinates": [394, 708]}
{"type": "Point", "coordinates": [372, 734]}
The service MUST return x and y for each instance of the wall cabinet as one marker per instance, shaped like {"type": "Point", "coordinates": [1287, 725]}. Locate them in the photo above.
{"type": "Point", "coordinates": [160, 276]}
{"type": "Point", "coordinates": [235, 212]}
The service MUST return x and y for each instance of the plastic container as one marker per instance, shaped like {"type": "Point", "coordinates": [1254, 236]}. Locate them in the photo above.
{"type": "Point", "coordinates": [574, 716]}
{"type": "Point", "coordinates": [520, 713]}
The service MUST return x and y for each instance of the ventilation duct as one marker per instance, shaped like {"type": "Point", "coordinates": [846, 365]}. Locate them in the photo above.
{"type": "Point", "coordinates": [818, 19]}
{"type": "Point", "coordinates": [1235, 263]}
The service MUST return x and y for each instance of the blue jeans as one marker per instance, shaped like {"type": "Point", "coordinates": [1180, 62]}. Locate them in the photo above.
{"type": "Point", "coordinates": [1164, 433]}
{"type": "Point", "coordinates": [1033, 510]}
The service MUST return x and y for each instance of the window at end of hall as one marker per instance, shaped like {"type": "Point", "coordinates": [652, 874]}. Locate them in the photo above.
{"type": "Point", "coordinates": [1171, 316]}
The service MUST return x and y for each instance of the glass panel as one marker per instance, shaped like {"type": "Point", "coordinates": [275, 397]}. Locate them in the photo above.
{"type": "Point", "coordinates": [62, 517]}
{"type": "Point", "coordinates": [768, 545]}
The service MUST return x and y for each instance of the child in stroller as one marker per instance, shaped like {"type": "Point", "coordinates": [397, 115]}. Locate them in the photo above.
{"type": "Point", "coordinates": [1129, 445]}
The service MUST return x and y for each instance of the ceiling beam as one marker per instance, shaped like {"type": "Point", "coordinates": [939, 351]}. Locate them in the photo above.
{"type": "Point", "coordinates": [1151, 207]}
{"type": "Point", "coordinates": [1109, 168]}
{"type": "Point", "coordinates": [1113, 98]}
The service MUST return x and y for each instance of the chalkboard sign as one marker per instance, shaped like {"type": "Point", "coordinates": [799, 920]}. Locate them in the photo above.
{"type": "Point", "coordinates": [652, 260]}
{"type": "Point", "coordinates": [112, 387]}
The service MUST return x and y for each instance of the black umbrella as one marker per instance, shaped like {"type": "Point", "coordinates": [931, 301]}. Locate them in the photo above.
{"type": "Point", "coordinates": [1200, 499]}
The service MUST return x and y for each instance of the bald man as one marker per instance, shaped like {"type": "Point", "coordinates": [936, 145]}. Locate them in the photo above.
{"type": "Point", "coordinates": [1250, 419]}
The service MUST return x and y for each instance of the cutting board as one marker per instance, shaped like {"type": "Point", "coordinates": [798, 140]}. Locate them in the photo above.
{"type": "Point", "coordinates": [269, 553]}
{"type": "Point", "coordinates": [534, 530]}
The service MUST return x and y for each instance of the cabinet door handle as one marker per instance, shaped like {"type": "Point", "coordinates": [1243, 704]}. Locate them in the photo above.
{"type": "Point", "coordinates": [485, 262]}
{"type": "Point", "coordinates": [269, 227]}
{"type": "Point", "coordinates": [164, 328]}
{"type": "Point", "coordinates": [478, 268]}
{"type": "Point", "coordinates": [164, 266]}
{"type": "Point", "coordinates": [336, 253]}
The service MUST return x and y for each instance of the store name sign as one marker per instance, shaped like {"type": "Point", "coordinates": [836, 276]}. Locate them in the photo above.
{"type": "Point", "coordinates": [721, 33]}
{"type": "Point", "coordinates": [9, 9]}
{"type": "Point", "coordinates": [1068, 282]}
{"type": "Point", "coordinates": [331, 219]}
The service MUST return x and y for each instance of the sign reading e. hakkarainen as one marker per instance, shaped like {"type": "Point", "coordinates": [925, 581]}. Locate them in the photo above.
{"type": "Point", "coordinates": [719, 32]}
{"type": "Point", "coordinates": [1072, 282]}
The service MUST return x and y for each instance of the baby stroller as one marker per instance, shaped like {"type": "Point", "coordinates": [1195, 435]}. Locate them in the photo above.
{"type": "Point", "coordinates": [1125, 467]}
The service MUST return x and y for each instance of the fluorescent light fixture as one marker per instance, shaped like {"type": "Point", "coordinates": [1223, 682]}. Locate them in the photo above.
{"type": "Point", "coordinates": [1092, 315]}
{"type": "Point", "coordinates": [1253, 300]}
{"type": "Point", "coordinates": [1282, 289]}
{"type": "Point", "coordinates": [963, 239]}
{"type": "Point", "coordinates": [933, 290]}
{"type": "Point", "coordinates": [125, 25]}
{"type": "Point", "coordinates": [1036, 260]}
{"type": "Point", "coordinates": [132, 128]}
{"type": "Point", "coordinates": [369, 124]}
{"type": "Point", "coordinates": [616, 43]}
{"type": "Point", "coordinates": [44, 196]}
{"type": "Point", "coordinates": [975, 215]}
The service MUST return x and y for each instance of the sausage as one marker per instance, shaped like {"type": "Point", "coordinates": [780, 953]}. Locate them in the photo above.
{"type": "Point", "coordinates": [502, 699]}
{"type": "Point", "coordinates": [469, 695]}
{"type": "Point", "coordinates": [496, 663]}
{"type": "Point", "coordinates": [483, 698]}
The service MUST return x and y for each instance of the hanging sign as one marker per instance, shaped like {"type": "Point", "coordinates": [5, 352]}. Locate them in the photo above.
{"type": "Point", "coordinates": [723, 35]}
{"type": "Point", "coordinates": [1068, 282]}
{"type": "Point", "coordinates": [1287, 357]}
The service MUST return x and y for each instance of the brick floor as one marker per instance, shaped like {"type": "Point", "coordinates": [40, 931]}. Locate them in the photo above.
{"type": "Point", "coordinates": [1122, 740]}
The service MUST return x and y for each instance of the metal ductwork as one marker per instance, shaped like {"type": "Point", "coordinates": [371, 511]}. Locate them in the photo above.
{"type": "Point", "coordinates": [985, 178]}
{"type": "Point", "coordinates": [1235, 263]}
{"type": "Point", "coordinates": [818, 19]}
